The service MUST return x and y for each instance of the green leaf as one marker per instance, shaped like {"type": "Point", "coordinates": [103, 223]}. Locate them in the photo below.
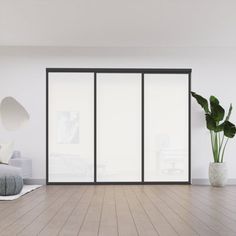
{"type": "Point", "coordinates": [217, 111]}
{"type": "Point", "coordinates": [210, 122]}
{"type": "Point", "coordinates": [214, 100]}
{"type": "Point", "coordinates": [220, 127]}
{"type": "Point", "coordinates": [229, 129]}
{"type": "Point", "coordinates": [229, 112]}
{"type": "Point", "coordinates": [202, 101]}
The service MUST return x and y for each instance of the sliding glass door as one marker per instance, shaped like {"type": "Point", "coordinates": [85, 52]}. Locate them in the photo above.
{"type": "Point", "coordinates": [71, 127]}
{"type": "Point", "coordinates": [166, 125]}
{"type": "Point", "coordinates": [118, 126]}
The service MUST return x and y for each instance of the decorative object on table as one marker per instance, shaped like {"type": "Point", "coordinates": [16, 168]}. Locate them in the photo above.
{"type": "Point", "coordinates": [221, 130]}
{"type": "Point", "coordinates": [13, 114]}
{"type": "Point", "coordinates": [11, 181]}
{"type": "Point", "coordinates": [24, 163]}
{"type": "Point", "coordinates": [6, 150]}
{"type": "Point", "coordinates": [26, 189]}
{"type": "Point", "coordinates": [16, 154]}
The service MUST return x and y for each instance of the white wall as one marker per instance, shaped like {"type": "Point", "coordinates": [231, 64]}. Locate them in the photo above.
{"type": "Point", "coordinates": [22, 75]}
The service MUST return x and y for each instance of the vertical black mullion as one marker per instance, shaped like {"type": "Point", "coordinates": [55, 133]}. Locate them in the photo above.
{"type": "Point", "coordinates": [189, 127]}
{"type": "Point", "coordinates": [142, 111]}
{"type": "Point", "coordinates": [95, 127]}
{"type": "Point", "coordinates": [46, 126]}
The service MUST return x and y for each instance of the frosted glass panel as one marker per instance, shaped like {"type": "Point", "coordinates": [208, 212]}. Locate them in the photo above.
{"type": "Point", "coordinates": [166, 127]}
{"type": "Point", "coordinates": [71, 127]}
{"type": "Point", "coordinates": [118, 127]}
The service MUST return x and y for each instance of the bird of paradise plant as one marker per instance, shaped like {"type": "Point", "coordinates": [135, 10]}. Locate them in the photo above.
{"type": "Point", "coordinates": [221, 130]}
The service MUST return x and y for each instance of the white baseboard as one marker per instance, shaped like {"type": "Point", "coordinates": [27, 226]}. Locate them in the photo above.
{"type": "Point", "coordinates": [206, 182]}
{"type": "Point", "coordinates": [35, 181]}
{"type": "Point", "coordinates": [200, 182]}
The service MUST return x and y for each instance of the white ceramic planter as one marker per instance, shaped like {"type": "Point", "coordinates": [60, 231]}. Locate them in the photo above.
{"type": "Point", "coordinates": [218, 174]}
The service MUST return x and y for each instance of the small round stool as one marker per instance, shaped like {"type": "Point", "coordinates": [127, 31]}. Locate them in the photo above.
{"type": "Point", "coordinates": [11, 181]}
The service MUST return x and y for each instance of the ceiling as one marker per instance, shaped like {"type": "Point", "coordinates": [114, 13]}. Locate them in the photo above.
{"type": "Point", "coordinates": [118, 23]}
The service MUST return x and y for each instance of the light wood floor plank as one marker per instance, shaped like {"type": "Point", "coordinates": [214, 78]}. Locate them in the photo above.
{"type": "Point", "coordinates": [21, 210]}
{"type": "Point", "coordinates": [73, 224]}
{"type": "Point", "coordinates": [180, 226]}
{"type": "Point", "coordinates": [108, 224]}
{"type": "Point", "coordinates": [124, 210]}
{"type": "Point", "coordinates": [55, 224]}
{"type": "Point", "coordinates": [142, 221]}
{"type": "Point", "coordinates": [43, 219]}
{"type": "Point", "coordinates": [5, 207]}
{"type": "Point", "coordinates": [12, 206]}
{"type": "Point", "coordinates": [212, 199]}
{"type": "Point", "coordinates": [91, 222]}
{"type": "Point", "coordinates": [200, 211]}
{"type": "Point", "coordinates": [163, 227]}
{"type": "Point", "coordinates": [29, 217]}
{"type": "Point", "coordinates": [193, 221]}
{"type": "Point", "coordinates": [214, 210]}
{"type": "Point", "coordinates": [126, 224]}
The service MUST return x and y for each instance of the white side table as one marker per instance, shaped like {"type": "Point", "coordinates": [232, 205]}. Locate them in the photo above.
{"type": "Point", "coordinates": [25, 164]}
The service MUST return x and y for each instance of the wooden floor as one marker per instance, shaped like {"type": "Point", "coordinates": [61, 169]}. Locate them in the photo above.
{"type": "Point", "coordinates": [122, 210]}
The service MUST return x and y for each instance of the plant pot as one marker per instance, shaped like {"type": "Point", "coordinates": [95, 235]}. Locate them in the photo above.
{"type": "Point", "coordinates": [218, 174]}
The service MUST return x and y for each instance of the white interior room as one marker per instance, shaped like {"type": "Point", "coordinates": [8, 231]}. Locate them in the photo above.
{"type": "Point", "coordinates": [168, 35]}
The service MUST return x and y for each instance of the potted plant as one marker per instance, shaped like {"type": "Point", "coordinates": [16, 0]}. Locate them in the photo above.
{"type": "Point", "coordinates": [221, 130]}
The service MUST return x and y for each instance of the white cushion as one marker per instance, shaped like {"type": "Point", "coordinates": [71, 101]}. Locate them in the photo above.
{"type": "Point", "coordinates": [6, 151]}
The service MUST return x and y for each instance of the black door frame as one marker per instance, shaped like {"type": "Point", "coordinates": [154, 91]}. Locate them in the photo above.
{"type": "Point", "coordinates": [142, 71]}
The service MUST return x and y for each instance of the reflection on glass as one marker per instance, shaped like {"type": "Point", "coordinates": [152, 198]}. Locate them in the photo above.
{"type": "Point", "coordinates": [66, 168]}
{"type": "Point", "coordinates": [71, 127]}
{"type": "Point", "coordinates": [166, 127]}
{"type": "Point", "coordinates": [67, 127]}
